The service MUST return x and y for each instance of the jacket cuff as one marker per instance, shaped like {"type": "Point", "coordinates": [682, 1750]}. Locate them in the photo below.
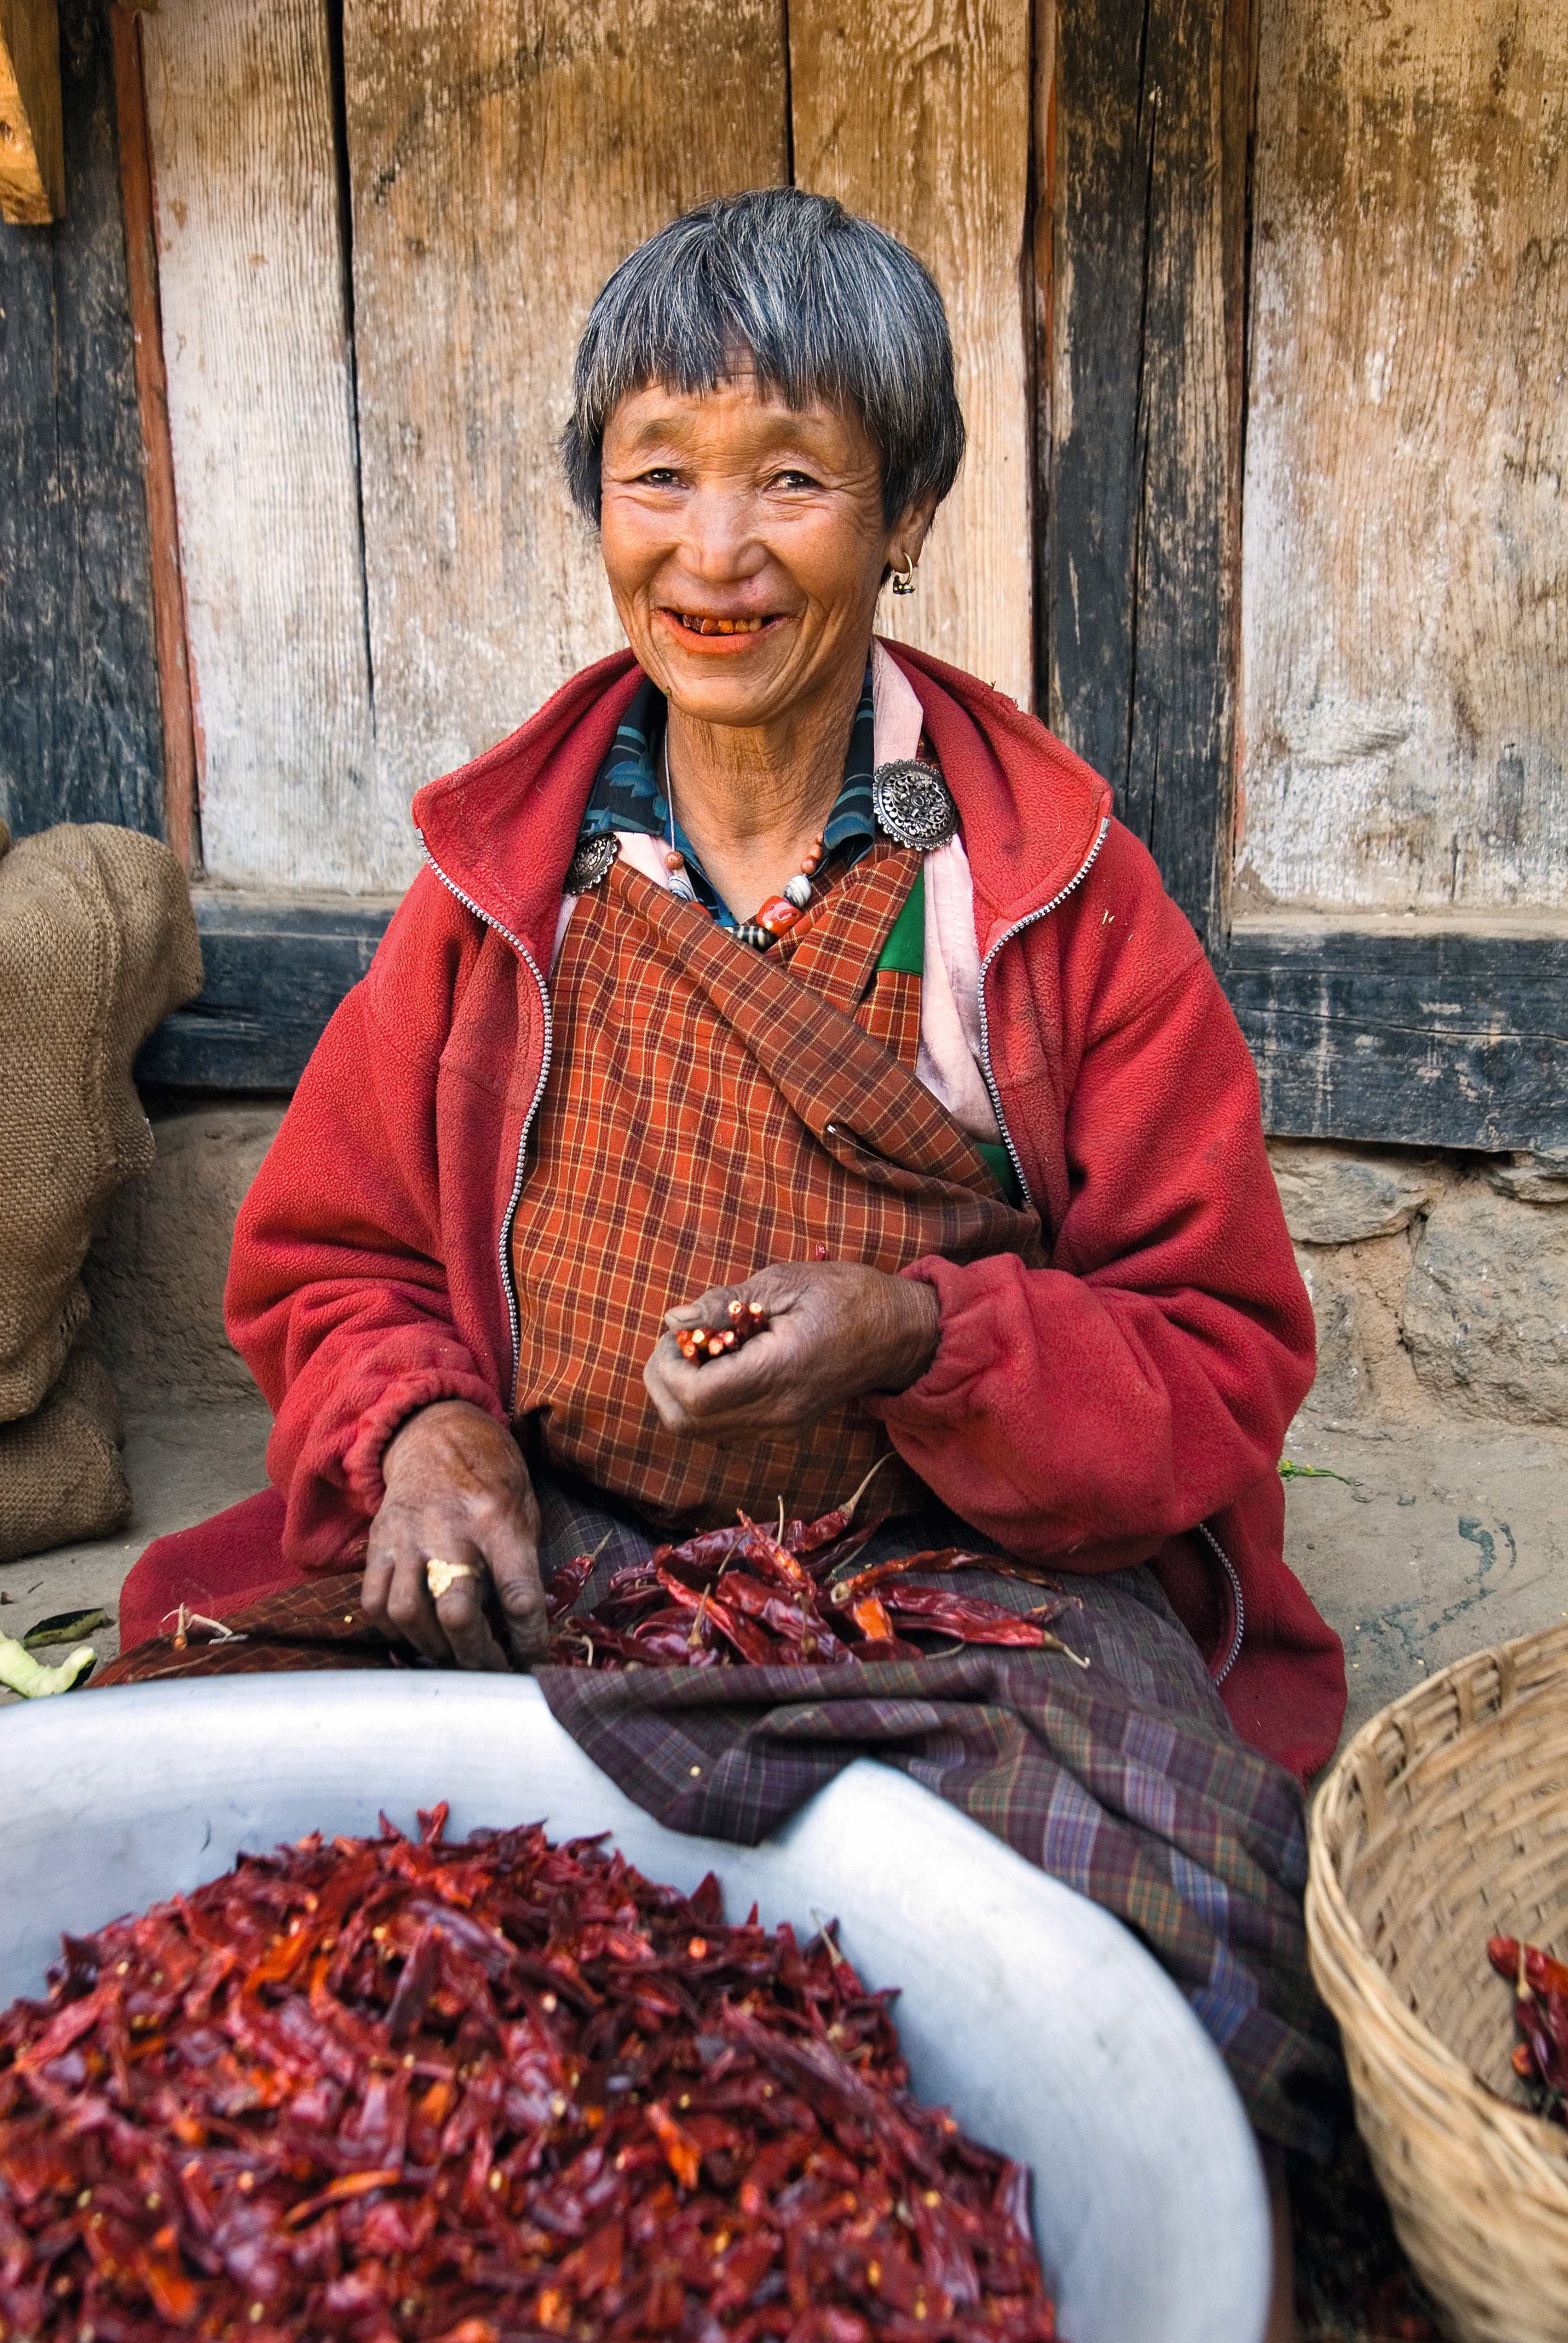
{"type": "Point", "coordinates": [405, 1397]}
{"type": "Point", "coordinates": [967, 1349]}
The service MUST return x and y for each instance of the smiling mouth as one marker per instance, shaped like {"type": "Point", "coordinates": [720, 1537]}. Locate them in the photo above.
{"type": "Point", "coordinates": [693, 622]}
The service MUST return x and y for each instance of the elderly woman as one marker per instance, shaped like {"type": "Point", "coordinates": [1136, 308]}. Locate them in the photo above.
{"type": "Point", "coordinates": [773, 961]}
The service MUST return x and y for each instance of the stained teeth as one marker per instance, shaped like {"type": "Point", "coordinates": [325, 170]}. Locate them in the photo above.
{"type": "Point", "coordinates": [720, 626]}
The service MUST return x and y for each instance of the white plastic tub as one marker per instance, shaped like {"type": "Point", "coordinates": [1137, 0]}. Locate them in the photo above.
{"type": "Point", "coordinates": [1038, 2018]}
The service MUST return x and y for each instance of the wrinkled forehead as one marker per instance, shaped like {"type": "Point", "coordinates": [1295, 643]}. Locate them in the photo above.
{"type": "Point", "coordinates": [741, 404]}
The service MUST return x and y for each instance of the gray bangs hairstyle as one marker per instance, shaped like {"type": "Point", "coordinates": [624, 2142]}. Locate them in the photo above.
{"type": "Point", "coordinates": [825, 304]}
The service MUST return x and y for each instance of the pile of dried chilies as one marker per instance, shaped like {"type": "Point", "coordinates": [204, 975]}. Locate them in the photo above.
{"type": "Point", "coordinates": [791, 1597]}
{"type": "Point", "coordinates": [381, 2090]}
{"type": "Point", "coordinates": [1540, 2015]}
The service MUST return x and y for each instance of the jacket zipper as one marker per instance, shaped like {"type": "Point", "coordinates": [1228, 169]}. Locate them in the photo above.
{"type": "Point", "coordinates": [508, 1285]}
{"type": "Point", "coordinates": [1079, 876]}
{"type": "Point", "coordinates": [1217, 1676]}
{"type": "Point", "coordinates": [1057, 900]}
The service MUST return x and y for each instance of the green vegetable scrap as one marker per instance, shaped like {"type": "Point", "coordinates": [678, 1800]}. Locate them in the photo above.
{"type": "Point", "coordinates": [1289, 1471]}
{"type": "Point", "coordinates": [21, 1673]}
{"type": "Point", "coordinates": [63, 1627]}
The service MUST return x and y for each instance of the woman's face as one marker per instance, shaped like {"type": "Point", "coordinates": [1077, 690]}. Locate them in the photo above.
{"type": "Point", "coordinates": [745, 544]}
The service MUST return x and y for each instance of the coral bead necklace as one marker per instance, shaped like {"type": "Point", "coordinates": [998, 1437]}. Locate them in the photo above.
{"type": "Point", "coordinates": [776, 914]}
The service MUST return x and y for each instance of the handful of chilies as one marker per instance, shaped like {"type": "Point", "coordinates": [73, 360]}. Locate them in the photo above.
{"type": "Point", "coordinates": [1540, 2015]}
{"type": "Point", "coordinates": [785, 1597]}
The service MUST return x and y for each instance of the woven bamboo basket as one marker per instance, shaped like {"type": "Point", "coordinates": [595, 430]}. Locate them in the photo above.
{"type": "Point", "coordinates": [1445, 1822]}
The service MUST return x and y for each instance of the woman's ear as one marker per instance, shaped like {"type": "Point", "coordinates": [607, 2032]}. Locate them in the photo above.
{"type": "Point", "coordinates": [910, 533]}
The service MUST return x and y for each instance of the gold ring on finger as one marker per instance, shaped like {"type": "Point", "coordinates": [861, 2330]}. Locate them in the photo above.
{"type": "Point", "coordinates": [441, 1576]}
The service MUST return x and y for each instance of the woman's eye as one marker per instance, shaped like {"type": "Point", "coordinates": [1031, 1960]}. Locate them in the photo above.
{"type": "Point", "coordinates": [661, 475]}
{"type": "Point", "coordinates": [794, 479]}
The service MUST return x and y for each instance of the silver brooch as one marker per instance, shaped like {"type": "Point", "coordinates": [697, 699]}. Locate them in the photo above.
{"type": "Point", "coordinates": [592, 861]}
{"type": "Point", "coordinates": [914, 804]}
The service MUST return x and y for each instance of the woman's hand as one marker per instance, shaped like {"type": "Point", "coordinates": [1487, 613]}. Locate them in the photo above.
{"type": "Point", "coordinates": [457, 1490]}
{"type": "Point", "coordinates": [835, 1332]}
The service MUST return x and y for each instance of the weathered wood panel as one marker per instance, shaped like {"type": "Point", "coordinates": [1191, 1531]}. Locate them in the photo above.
{"type": "Point", "coordinates": [917, 113]}
{"type": "Point", "coordinates": [32, 148]}
{"type": "Point", "coordinates": [180, 818]}
{"type": "Point", "coordinates": [1406, 562]}
{"type": "Point", "coordinates": [79, 736]}
{"type": "Point", "coordinates": [504, 157]}
{"type": "Point", "coordinates": [1439, 1032]}
{"type": "Point", "coordinates": [254, 328]}
{"type": "Point", "coordinates": [1140, 497]}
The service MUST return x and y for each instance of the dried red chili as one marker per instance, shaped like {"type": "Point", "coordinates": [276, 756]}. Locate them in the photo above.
{"type": "Point", "coordinates": [769, 1600]}
{"type": "Point", "coordinates": [739, 1322]}
{"type": "Point", "coordinates": [1540, 2015]}
{"type": "Point", "coordinates": [369, 2088]}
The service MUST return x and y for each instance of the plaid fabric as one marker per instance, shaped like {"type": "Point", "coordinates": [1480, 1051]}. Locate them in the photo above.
{"type": "Point", "coordinates": [711, 1110]}
{"type": "Point", "coordinates": [829, 944]}
{"type": "Point", "coordinates": [1126, 1781]}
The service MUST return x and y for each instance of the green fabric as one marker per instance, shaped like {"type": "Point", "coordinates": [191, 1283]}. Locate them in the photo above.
{"type": "Point", "coordinates": [904, 954]}
{"type": "Point", "coordinates": [1004, 1169]}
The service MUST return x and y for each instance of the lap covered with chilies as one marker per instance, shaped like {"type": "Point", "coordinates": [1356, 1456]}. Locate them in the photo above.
{"type": "Point", "coordinates": [1123, 1778]}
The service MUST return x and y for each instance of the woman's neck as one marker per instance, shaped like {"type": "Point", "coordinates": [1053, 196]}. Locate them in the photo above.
{"type": "Point", "coordinates": [752, 802]}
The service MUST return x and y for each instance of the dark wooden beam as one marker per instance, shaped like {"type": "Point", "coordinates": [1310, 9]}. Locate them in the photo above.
{"type": "Point", "coordinates": [1435, 1034]}
{"type": "Point", "coordinates": [275, 968]}
{"type": "Point", "coordinates": [1148, 148]}
{"type": "Point", "coordinates": [80, 735]}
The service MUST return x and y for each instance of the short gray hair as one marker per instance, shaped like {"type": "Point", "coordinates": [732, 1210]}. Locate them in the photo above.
{"type": "Point", "coordinates": [826, 305]}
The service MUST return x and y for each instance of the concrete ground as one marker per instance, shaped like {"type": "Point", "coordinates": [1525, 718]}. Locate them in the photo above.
{"type": "Point", "coordinates": [1436, 1542]}
{"type": "Point", "coordinates": [183, 1463]}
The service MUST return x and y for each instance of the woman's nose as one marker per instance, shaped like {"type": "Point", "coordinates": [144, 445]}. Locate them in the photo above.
{"type": "Point", "coordinates": [720, 539]}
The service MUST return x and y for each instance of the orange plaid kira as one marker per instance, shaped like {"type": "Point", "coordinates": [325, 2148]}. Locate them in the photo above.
{"type": "Point", "coordinates": [711, 1110]}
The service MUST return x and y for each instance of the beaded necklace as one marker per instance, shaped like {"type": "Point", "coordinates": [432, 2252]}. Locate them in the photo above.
{"type": "Point", "coordinates": [778, 913]}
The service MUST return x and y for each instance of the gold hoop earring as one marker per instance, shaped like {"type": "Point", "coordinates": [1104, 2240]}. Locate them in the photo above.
{"type": "Point", "coordinates": [904, 583]}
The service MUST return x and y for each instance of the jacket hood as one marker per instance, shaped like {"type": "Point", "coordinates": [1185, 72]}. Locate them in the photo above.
{"type": "Point", "coordinates": [501, 829]}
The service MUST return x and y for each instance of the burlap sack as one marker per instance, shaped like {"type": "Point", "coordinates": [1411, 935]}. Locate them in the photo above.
{"type": "Point", "coordinates": [61, 1478]}
{"type": "Point", "coordinates": [98, 943]}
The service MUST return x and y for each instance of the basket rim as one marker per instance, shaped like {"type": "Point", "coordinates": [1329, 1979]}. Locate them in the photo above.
{"type": "Point", "coordinates": [1527, 2138]}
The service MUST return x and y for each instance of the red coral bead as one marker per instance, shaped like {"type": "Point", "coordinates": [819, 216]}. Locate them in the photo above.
{"type": "Point", "coordinates": [777, 915]}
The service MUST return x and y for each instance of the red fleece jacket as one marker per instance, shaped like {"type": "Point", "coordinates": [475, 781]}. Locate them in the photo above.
{"type": "Point", "coordinates": [1088, 1414]}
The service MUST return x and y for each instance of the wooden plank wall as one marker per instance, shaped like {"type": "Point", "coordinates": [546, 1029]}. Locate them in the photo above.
{"type": "Point", "coordinates": [1406, 559]}
{"type": "Point", "coordinates": [501, 158]}
{"type": "Point", "coordinates": [1140, 493]}
{"type": "Point", "coordinates": [504, 156]}
{"type": "Point", "coordinates": [261, 413]}
{"type": "Point", "coordinates": [917, 113]}
{"type": "Point", "coordinates": [80, 740]}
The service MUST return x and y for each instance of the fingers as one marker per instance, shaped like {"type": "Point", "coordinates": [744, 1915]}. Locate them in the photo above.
{"type": "Point", "coordinates": [514, 1555]}
{"type": "Point", "coordinates": [724, 1396]}
{"type": "Point", "coordinates": [460, 1612]}
{"type": "Point", "coordinates": [452, 1630]}
{"type": "Point", "coordinates": [394, 1596]}
{"type": "Point", "coordinates": [457, 1491]}
{"type": "Point", "coordinates": [776, 1286]}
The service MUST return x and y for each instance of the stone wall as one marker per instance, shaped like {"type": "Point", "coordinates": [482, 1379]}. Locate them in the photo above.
{"type": "Point", "coordinates": [1440, 1283]}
